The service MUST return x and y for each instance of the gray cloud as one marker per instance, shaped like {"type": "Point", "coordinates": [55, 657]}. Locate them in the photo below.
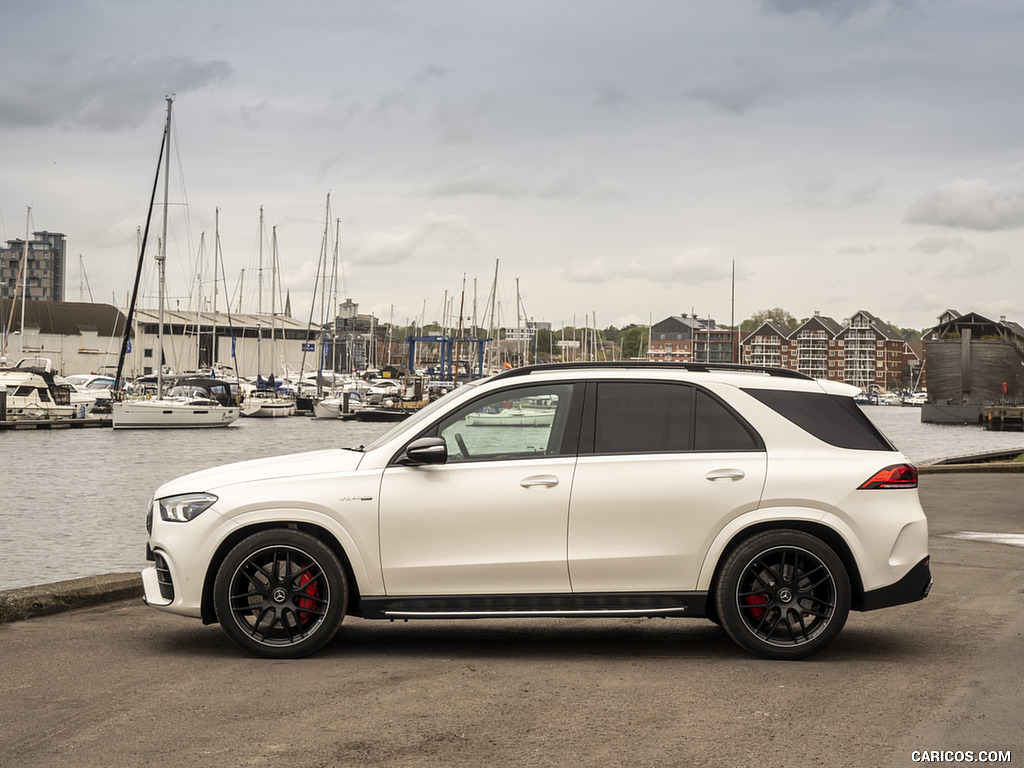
{"type": "Point", "coordinates": [100, 94]}
{"type": "Point", "coordinates": [940, 243]}
{"type": "Point", "coordinates": [971, 204]}
{"type": "Point", "coordinates": [744, 89]}
{"type": "Point", "coordinates": [959, 259]}
{"type": "Point", "coordinates": [614, 95]}
{"type": "Point", "coordinates": [834, 10]}
{"type": "Point", "coordinates": [864, 249]}
{"type": "Point", "coordinates": [699, 266]}
{"type": "Point", "coordinates": [407, 97]}
{"type": "Point", "coordinates": [489, 180]}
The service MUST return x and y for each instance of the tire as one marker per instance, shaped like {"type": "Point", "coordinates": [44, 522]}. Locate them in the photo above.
{"type": "Point", "coordinates": [783, 595]}
{"type": "Point", "coordinates": [280, 594]}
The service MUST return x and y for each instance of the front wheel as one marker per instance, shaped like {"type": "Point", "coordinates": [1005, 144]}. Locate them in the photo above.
{"type": "Point", "coordinates": [783, 594]}
{"type": "Point", "coordinates": [280, 594]}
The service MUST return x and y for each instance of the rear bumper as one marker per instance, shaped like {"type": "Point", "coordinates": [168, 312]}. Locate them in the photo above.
{"type": "Point", "coordinates": [911, 588]}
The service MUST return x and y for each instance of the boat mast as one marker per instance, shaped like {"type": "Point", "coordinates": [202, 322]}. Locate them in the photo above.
{"type": "Point", "coordinates": [259, 301]}
{"type": "Point", "coordinates": [199, 303]}
{"type": "Point", "coordinates": [273, 304]}
{"type": "Point", "coordinates": [216, 253]}
{"type": "Point", "coordinates": [142, 250]}
{"type": "Point", "coordinates": [161, 261]}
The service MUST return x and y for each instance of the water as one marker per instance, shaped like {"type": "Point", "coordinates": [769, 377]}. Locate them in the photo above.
{"type": "Point", "coordinates": [73, 502]}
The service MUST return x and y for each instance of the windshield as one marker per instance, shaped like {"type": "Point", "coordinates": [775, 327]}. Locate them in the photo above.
{"type": "Point", "coordinates": [417, 418]}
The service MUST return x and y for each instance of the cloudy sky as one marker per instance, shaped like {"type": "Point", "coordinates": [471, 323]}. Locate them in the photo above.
{"type": "Point", "coordinates": [616, 158]}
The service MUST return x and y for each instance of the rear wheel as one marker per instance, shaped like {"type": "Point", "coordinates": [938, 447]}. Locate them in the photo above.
{"type": "Point", "coordinates": [280, 594]}
{"type": "Point", "coordinates": [783, 594]}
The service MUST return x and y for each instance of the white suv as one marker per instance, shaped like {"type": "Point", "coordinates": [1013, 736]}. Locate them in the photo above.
{"type": "Point", "coordinates": [758, 498]}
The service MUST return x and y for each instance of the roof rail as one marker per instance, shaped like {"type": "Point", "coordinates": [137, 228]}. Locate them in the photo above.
{"type": "Point", "coordinates": [782, 373]}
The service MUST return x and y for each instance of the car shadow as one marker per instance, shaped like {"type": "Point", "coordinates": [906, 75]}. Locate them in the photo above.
{"type": "Point", "coordinates": [548, 639]}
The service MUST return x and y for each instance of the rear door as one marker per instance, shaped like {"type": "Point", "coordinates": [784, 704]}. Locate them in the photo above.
{"type": "Point", "coordinates": [662, 467]}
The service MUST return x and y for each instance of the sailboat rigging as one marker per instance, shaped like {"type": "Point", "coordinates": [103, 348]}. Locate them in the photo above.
{"type": "Point", "coordinates": [193, 402]}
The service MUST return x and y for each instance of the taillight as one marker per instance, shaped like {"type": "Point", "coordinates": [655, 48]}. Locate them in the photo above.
{"type": "Point", "coordinates": [896, 476]}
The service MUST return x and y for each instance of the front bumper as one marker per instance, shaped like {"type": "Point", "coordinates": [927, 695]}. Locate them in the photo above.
{"type": "Point", "coordinates": [913, 587]}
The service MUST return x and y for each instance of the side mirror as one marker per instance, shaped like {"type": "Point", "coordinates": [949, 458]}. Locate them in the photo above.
{"type": "Point", "coordinates": [425, 450]}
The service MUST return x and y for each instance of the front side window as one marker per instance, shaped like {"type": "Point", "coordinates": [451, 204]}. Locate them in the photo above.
{"type": "Point", "coordinates": [519, 423]}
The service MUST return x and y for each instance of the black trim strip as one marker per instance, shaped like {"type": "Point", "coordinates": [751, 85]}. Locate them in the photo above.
{"type": "Point", "coordinates": [911, 588]}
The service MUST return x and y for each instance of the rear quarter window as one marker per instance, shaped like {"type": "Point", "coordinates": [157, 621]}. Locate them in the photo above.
{"type": "Point", "coordinates": [836, 420]}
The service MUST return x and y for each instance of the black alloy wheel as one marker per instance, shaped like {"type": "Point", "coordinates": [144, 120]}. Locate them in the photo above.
{"type": "Point", "coordinates": [783, 595]}
{"type": "Point", "coordinates": [280, 594]}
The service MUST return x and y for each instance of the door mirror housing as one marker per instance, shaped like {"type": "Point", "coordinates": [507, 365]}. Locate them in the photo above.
{"type": "Point", "coordinates": [424, 450]}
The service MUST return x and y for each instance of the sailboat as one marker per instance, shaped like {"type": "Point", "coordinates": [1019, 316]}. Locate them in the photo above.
{"type": "Point", "coordinates": [188, 407]}
{"type": "Point", "coordinates": [265, 401]}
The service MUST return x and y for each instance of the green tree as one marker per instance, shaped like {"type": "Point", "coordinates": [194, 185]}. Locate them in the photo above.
{"type": "Point", "coordinates": [633, 342]}
{"type": "Point", "coordinates": [775, 314]}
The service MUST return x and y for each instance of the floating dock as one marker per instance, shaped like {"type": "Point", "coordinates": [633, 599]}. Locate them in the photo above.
{"type": "Point", "coordinates": [54, 423]}
{"type": "Point", "coordinates": [1004, 418]}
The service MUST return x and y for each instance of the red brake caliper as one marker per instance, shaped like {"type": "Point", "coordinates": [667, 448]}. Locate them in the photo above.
{"type": "Point", "coordinates": [757, 613]}
{"type": "Point", "coordinates": [313, 591]}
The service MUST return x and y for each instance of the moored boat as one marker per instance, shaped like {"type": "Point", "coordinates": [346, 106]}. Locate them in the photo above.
{"type": "Point", "coordinates": [33, 393]}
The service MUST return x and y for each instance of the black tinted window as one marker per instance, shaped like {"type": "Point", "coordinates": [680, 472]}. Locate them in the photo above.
{"type": "Point", "coordinates": [836, 420]}
{"type": "Point", "coordinates": [719, 429]}
{"type": "Point", "coordinates": [642, 417]}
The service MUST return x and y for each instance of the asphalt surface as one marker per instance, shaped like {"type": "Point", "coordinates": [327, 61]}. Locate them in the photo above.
{"type": "Point", "coordinates": [120, 684]}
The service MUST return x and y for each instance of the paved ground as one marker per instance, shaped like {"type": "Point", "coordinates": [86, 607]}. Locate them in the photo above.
{"type": "Point", "coordinates": [124, 685]}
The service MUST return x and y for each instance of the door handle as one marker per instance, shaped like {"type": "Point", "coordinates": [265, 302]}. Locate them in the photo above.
{"type": "Point", "coordinates": [542, 481]}
{"type": "Point", "coordinates": [725, 474]}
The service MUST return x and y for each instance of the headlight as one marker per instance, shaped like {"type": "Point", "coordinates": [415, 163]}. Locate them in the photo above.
{"type": "Point", "coordinates": [181, 509]}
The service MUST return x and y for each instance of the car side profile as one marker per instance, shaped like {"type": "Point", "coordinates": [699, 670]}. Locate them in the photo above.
{"type": "Point", "coordinates": [758, 498]}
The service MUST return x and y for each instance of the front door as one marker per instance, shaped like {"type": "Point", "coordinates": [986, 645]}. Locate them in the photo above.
{"type": "Point", "coordinates": [493, 519]}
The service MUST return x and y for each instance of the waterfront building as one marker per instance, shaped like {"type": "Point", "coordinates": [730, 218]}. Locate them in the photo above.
{"type": "Point", "coordinates": [767, 345]}
{"type": "Point", "coordinates": [875, 355]}
{"type": "Point", "coordinates": [76, 337]}
{"type": "Point", "coordinates": [83, 338]}
{"type": "Point", "coordinates": [691, 339]}
{"type": "Point", "coordinates": [358, 341]}
{"type": "Point", "coordinates": [43, 272]}
{"type": "Point", "coordinates": [973, 362]}
{"type": "Point", "coordinates": [809, 347]}
{"type": "Point", "coordinates": [863, 351]}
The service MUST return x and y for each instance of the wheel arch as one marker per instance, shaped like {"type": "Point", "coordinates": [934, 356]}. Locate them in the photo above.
{"type": "Point", "coordinates": [209, 613]}
{"type": "Point", "coordinates": [819, 530]}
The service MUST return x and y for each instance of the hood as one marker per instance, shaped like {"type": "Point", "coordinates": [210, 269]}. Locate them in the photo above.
{"type": "Point", "coordinates": [276, 467]}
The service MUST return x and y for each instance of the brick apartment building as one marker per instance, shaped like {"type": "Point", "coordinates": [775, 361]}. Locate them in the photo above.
{"type": "Point", "coordinates": [865, 352]}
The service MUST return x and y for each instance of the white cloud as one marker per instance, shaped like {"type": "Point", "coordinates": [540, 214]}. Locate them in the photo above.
{"type": "Point", "coordinates": [430, 236]}
{"type": "Point", "coordinates": [971, 204]}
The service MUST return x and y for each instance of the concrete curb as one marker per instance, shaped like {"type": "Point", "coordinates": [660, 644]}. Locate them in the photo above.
{"type": "Point", "coordinates": [988, 467]}
{"type": "Point", "coordinates": [44, 599]}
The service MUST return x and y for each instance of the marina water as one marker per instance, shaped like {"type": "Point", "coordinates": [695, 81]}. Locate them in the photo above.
{"type": "Point", "coordinates": [73, 501]}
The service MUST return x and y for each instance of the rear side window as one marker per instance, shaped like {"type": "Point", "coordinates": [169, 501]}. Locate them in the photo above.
{"type": "Point", "coordinates": [642, 417]}
{"type": "Point", "coordinates": [718, 429]}
{"type": "Point", "coordinates": [659, 417]}
{"type": "Point", "coordinates": [836, 420]}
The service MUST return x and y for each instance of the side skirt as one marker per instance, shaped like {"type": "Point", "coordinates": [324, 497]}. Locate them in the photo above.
{"type": "Point", "coordinates": [593, 605]}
